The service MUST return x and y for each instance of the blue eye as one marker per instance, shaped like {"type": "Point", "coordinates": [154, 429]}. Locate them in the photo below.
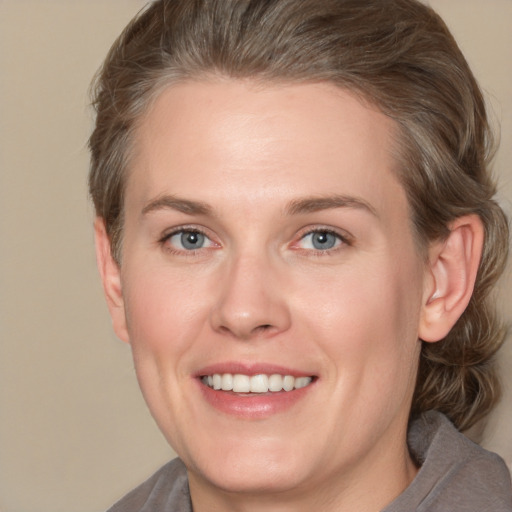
{"type": "Point", "coordinates": [189, 240]}
{"type": "Point", "coordinates": [321, 240]}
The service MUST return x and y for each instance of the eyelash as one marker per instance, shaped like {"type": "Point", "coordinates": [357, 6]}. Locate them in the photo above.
{"type": "Point", "coordinates": [344, 240]}
{"type": "Point", "coordinates": [182, 230]}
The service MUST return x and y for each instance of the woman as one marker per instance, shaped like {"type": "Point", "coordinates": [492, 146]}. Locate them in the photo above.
{"type": "Point", "coordinates": [297, 236]}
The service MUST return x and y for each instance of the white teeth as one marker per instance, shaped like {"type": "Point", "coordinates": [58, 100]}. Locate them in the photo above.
{"type": "Point", "coordinates": [261, 383]}
{"type": "Point", "coordinates": [241, 383]}
{"type": "Point", "coordinates": [302, 382]}
{"type": "Point", "coordinates": [217, 381]}
{"type": "Point", "coordinates": [288, 383]}
{"type": "Point", "coordinates": [275, 383]}
{"type": "Point", "coordinates": [227, 382]}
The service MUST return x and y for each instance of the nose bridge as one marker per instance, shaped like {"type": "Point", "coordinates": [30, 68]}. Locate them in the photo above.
{"type": "Point", "coordinates": [251, 301]}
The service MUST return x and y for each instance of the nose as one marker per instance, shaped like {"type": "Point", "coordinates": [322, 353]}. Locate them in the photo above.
{"type": "Point", "coordinates": [251, 302]}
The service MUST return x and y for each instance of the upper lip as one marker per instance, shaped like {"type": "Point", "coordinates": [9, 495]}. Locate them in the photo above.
{"type": "Point", "coordinates": [250, 369]}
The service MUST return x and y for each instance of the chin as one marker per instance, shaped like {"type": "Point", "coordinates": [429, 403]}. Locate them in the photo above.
{"type": "Point", "coordinates": [263, 469]}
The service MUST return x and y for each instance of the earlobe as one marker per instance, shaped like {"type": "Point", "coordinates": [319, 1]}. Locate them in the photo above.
{"type": "Point", "coordinates": [111, 279]}
{"type": "Point", "coordinates": [451, 274]}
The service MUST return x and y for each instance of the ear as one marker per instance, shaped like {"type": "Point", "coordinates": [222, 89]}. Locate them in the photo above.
{"type": "Point", "coordinates": [451, 274]}
{"type": "Point", "coordinates": [111, 278]}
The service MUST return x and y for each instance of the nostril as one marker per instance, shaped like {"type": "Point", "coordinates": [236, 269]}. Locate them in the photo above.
{"type": "Point", "coordinates": [262, 328]}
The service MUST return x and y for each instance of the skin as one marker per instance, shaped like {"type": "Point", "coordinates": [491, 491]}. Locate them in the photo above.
{"type": "Point", "coordinates": [254, 161]}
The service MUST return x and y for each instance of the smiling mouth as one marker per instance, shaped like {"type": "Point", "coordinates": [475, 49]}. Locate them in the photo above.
{"type": "Point", "coordinates": [261, 383]}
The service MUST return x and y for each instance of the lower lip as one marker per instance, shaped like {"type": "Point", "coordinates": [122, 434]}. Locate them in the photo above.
{"type": "Point", "coordinates": [253, 405]}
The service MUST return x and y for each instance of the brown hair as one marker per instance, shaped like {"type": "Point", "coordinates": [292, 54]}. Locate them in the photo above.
{"type": "Point", "coordinates": [397, 54]}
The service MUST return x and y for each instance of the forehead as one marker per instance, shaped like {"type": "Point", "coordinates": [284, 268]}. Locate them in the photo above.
{"type": "Point", "coordinates": [223, 139]}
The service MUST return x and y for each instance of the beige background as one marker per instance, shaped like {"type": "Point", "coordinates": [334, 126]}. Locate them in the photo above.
{"type": "Point", "coordinates": [74, 432]}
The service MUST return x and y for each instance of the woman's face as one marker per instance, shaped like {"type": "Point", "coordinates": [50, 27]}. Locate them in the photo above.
{"type": "Point", "coordinates": [267, 243]}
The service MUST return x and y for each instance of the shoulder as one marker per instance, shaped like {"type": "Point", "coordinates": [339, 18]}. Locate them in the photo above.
{"type": "Point", "coordinates": [166, 491]}
{"type": "Point", "coordinates": [455, 473]}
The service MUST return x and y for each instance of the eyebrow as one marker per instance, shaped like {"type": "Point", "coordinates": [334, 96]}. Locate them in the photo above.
{"type": "Point", "coordinates": [315, 204]}
{"type": "Point", "coordinates": [175, 203]}
{"type": "Point", "coordinates": [294, 207]}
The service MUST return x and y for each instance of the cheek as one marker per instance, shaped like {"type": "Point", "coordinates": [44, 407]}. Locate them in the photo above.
{"type": "Point", "coordinates": [164, 310]}
{"type": "Point", "coordinates": [165, 314]}
{"type": "Point", "coordinates": [367, 320]}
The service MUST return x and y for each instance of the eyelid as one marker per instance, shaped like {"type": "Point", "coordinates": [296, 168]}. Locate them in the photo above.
{"type": "Point", "coordinates": [164, 239]}
{"type": "Point", "coordinates": [343, 236]}
{"type": "Point", "coordinates": [168, 233]}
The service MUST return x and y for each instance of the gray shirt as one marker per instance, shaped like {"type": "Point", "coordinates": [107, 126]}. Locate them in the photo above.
{"type": "Point", "coordinates": [456, 475]}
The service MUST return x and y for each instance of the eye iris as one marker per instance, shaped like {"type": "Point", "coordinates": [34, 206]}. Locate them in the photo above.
{"type": "Point", "coordinates": [323, 240]}
{"type": "Point", "coordinates": [192, 240]}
